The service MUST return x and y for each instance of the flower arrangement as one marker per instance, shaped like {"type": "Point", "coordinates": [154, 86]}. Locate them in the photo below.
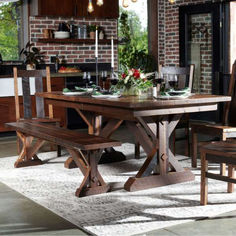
{"type": "Point", "coordinates": [134, 82]}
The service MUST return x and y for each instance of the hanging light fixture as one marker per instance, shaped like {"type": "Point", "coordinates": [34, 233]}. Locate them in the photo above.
{"type": "Point", "coordinates": [90, 6]}
{"type": "Point", "coordinates": [133, 0]}
{"type": "Point", "coordinates": [125, 3]}
{"type": "Point", "coordinates": [99, 2]}
{"type": "Point", "coordinates": [171, 1]}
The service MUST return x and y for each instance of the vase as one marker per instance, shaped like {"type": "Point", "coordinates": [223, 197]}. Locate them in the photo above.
{"type": "Point", "coordinates": [134, 91]}
{"type": "Point", "coordinates": [130, 91]}
{"type": "Point", "coordinates": [92, 35]}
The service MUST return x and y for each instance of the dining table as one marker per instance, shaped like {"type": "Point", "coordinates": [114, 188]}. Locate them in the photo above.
{"type": "Point", "coordinates": [151, 121]}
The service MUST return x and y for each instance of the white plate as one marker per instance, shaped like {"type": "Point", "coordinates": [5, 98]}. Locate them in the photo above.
{"type": "Point", "coordinates": [106, 96]}
{"type": "Point", "coordinates": [74, 93]}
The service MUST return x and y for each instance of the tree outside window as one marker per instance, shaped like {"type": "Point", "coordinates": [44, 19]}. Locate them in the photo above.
{"type": "Point", "coordinates": [10, 29]}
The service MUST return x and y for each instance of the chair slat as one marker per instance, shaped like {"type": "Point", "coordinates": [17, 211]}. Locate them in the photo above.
{"type": "Point", "coordinates": [39, 100]}
{"type": "Point", "coordinates": [26, 98]}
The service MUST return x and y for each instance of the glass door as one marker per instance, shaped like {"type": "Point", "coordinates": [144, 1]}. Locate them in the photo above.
{"type": "Point", "coordinates": [202, 43]}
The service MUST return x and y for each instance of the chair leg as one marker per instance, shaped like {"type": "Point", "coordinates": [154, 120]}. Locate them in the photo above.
{"type": "Point", "coordinates": [58, 151]}
{"type": "Point", "coordinates": [231, 170]}
{"type": "Point", "coordinates": [194, 148]}
{"type": "Point", "coordinates": [187, 143]}
{"type": "Point", "coordinates": [136, 150]}
{"type": "Point", "coordinates": [204, 180]}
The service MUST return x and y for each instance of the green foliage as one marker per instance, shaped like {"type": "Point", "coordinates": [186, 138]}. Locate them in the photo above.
{"type": "Point", "coordinates": [10, 22]}
{"type": "Point", "coordinates": [133, 53]}
{"type": "Point", "coordinates": [91, 28]}
{"type": "Point", "coordinates": [32, 54]}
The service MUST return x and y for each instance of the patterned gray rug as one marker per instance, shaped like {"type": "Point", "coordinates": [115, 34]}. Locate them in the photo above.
{"type": "Point", "coordinates": [118, 212]}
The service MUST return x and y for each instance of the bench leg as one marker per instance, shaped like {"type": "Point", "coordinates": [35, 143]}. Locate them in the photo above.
{"type": "Point", "coordinates": [204, 180]}
{"type": "Point", "coordinates": [93, 182]}
{"type": "Point", "coordinates": [27, 156]}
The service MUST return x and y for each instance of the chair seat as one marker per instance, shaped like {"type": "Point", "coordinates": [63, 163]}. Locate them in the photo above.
{"type": "Point", "coordinates": [220, 148]}
{"type": "Point", "coordinates": [209, 128]}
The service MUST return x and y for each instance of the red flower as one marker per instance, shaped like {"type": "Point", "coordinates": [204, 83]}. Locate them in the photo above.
{"type": "Point", "coordinates": [123, 75]}
{"type": "Point", "coordinates": [136, 74]}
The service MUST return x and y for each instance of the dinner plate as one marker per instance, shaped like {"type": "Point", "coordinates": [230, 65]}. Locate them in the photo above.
{"type": "Point", "coordinates": [74, 93]}
{"type": "Point", "coordinates": [106, 96]}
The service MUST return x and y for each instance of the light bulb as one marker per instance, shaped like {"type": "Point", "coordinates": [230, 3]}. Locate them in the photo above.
{"type": "Point", "coordinates": [125, 3]}
{"type": "Point", "coordinates": [172, 1]}
{"type": "Point", "coordinates": [133, 0]}
{"type": "Point", "coordinates": [90, 6]}
{"type": "Point", "coordinates": [99, 2]}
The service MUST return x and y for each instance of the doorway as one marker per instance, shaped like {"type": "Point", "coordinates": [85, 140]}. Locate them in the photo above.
{"type": "Point", "coordinates": [204, 42]}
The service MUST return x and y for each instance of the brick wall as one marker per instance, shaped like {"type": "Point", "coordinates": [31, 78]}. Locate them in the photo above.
{"type": "Point", "coordinates": [74, 53]}
{"type": "Point", "coordinates": [168, 21]}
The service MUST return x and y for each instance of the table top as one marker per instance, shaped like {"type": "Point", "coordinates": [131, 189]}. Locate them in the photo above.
{"type": "Point", "coordinates": [135, 102]}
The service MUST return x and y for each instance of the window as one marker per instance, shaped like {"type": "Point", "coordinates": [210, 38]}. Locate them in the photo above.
{"type": "Point", "coordinates": [11, 29]}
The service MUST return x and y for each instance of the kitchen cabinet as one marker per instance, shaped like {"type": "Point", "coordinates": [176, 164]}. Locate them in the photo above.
{"type": "Point", "coordinates": [74, 8]}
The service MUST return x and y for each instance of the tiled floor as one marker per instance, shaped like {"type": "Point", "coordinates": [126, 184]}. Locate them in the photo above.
{"type": "Point", "coordinates": [21, 216]}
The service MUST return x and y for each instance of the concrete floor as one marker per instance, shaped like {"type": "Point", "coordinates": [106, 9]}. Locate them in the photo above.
{"type": "Point", "coordinates": [21, 216]}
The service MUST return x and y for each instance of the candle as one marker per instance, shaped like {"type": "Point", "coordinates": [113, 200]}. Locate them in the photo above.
{"type": "Point", "coordinates": [112, 53]}
{"type": "Point", "coordinates": [96, 44]}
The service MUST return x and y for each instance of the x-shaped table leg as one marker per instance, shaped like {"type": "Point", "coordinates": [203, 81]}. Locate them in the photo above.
{"type": "Point", "coordinates": [160, 161]}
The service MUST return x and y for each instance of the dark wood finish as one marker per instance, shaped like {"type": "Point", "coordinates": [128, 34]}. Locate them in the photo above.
{"type": "Point", "coordinates": [217, 152]}
{"type": "Point", "coordinates": [75, 41]}
{"type": "Point", "coordinates": [109, 9]}
{"type": "Point", "coordinates": [64, 137]}
{"type": "Point", "coordinates": [39, 103]}
{"type": "Point", "coordinates": [74, 8]}
{"type": "Point", "coordinates": [153, 31]}
{"type": "Point", "coordinates": [138, 114]}
{"type": "Point", "coordinates": [223, 131]}
{"type": "Point", "coordinates": [85, 150]}
{"type": "Point", "coordinates": [185, 76]}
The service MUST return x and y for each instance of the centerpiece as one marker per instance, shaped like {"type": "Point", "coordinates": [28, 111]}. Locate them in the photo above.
{"type": "Point", "coordinates": [134, 82]}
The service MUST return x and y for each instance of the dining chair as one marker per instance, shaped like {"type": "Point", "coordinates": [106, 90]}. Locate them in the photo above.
{"type": "Point", "coordinates": [222, 130]}
{"type": "Point", "coordinates": [185, 78]}
{"type": "Point", "coordinates": [29, 107]}
{"type": "Point", "coordinates": [219, 152]}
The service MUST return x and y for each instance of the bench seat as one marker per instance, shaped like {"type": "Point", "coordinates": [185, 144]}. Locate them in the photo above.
{"type": "Point", "coordinates": [84, 149]}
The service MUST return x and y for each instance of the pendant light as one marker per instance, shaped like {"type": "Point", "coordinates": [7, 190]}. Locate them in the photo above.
{"type": "Point", "coordinates": [125, 3]}
{"type": "Point", "coordinates": [133, 0]}
{"type": "Point", "coordinates": [99, 2]}
{"type": "Point", "coordinates": [90, 6]}
{"type": "Point", "coordinates": [171, 1]}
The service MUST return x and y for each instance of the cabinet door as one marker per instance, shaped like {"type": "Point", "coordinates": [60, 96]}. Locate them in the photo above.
{"type": "Point", "coordinates": [57, 7]}
{"type": "Point", "coordinates": [110, 9]}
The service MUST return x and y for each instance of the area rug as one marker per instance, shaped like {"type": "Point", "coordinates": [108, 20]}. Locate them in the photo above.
{"type": "Point", "coordinates": [118, 212]}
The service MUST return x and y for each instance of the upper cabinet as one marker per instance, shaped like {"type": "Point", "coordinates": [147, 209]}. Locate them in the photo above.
{"type": "Point", "coordinates": [74, 8]}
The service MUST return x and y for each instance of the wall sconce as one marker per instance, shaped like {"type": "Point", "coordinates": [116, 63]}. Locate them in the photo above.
{"type": "Point", "coordinates": [90, 6]}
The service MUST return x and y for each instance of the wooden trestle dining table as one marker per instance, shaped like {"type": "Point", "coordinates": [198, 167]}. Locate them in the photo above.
{"type": "Point", "coordinates": [151, 121]}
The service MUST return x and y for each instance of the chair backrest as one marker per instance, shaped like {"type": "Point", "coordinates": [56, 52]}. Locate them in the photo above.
{"type": "Point", "coordinates": [231, 93]}
{"type": "Point", "coordinates": [185, 75]}
{"type": "Point", "coordinates": [27, 102]}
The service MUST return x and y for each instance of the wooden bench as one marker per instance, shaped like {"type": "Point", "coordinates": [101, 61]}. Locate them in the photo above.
{"type": "Point", "coordinates": [85, 150]}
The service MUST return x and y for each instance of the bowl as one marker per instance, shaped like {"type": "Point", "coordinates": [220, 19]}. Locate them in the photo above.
{"type": "Point", "coordinates": [61, 34]}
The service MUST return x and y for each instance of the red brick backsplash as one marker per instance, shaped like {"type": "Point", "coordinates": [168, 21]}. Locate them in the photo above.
{"type": "Point", "coordinates": [74, 53]}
